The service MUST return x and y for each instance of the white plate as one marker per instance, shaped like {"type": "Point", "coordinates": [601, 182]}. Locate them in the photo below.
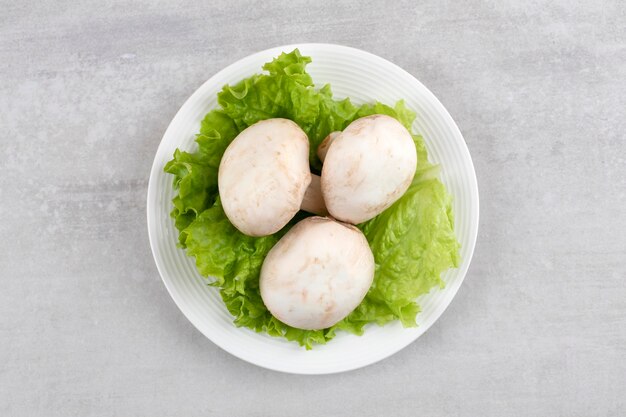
{"type": "Point", "coordinates": [364, 78]}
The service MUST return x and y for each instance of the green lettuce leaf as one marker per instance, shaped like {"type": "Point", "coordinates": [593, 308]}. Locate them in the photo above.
{"type": "Point", "coordinates": [413, 241]}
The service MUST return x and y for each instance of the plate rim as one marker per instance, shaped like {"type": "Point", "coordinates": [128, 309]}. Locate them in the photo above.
{"type": "Point", "coordinates": [475, 220]}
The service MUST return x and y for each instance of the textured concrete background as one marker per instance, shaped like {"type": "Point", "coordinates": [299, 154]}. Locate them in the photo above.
{"type": "Point", "coordinates": [86, 92]}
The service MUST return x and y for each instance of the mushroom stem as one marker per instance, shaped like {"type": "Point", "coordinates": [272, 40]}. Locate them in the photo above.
{"type": "Point", "coordinates": [313, 200]}
{"type": "Point", "coordinates": [323, 148]}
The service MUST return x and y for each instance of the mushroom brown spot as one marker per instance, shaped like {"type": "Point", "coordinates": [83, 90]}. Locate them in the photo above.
{"type": "Point", "coordinates": [264, 175]}
{"type": "Point", "coordinates": [369, 166]}
{"type": "Point", "coordinates": [317, 273]}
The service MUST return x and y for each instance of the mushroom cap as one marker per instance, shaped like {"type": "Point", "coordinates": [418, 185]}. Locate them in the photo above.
{"type": "Point", "coordinates": [263, 176]}
{"type": "Point", "coordinates": [323, 147]}
{"type": "Point", "coordinates": [317, 273]}
{"type": "Point", "coordinates": [367, 168]}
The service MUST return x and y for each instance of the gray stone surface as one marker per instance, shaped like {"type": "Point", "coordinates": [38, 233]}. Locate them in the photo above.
{"type": "Point", "coordinates": [86, 92]}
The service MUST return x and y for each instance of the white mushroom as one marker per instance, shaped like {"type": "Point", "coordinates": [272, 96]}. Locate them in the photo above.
{"type": "Point", "coordinates": [368, 167]}
{"type": "Point", "coordinates": [322, 149]}
{"type": "Point", "coordinates": [264, 175]}
{"type": "Point", "coordinates": [317, 273]}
